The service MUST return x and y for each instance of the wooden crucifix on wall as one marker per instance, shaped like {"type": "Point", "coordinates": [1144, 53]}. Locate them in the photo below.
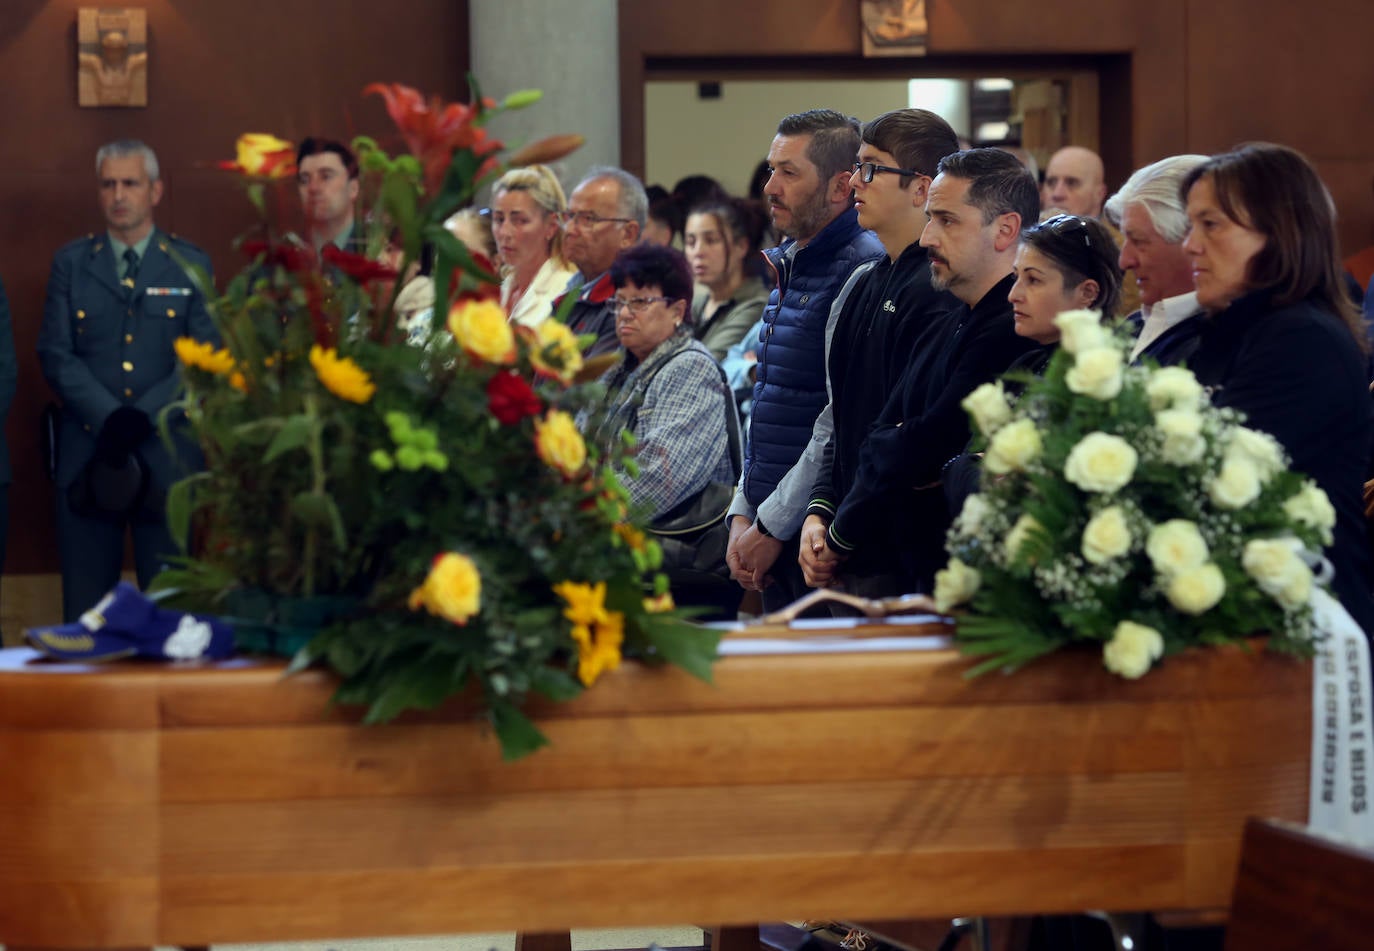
{"type": "Point", "coordinates": [112, 56]}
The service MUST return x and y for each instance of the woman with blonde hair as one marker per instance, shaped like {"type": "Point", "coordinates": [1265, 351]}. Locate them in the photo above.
{"type": "Point", "coordinates": [525, 206]}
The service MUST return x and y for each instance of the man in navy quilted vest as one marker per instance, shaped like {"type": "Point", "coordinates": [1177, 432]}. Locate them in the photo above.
{"type": "Point", "coordinates": [812, 205]}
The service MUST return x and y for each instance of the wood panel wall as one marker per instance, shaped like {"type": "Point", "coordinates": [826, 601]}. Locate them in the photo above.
{"type": "Point", "coordinates": [1176, 75]}
{"type": "Point", "coordinates": [216, 69]}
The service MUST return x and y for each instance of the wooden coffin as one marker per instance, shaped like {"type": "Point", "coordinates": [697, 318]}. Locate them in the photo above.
{"type": "Point", "coordinates": [148, 804]}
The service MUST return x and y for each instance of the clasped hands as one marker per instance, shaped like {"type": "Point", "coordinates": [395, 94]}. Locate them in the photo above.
{"type": "Point", "coordinates": [819, 562]}
{"type": "Point", "coordinates": [750, 554]}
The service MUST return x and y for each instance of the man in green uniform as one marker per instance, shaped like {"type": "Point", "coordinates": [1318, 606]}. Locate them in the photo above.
{"type": "Point", "coordinates": [115, 303]}
{"type": "Point", "coordinates": [327, 179]}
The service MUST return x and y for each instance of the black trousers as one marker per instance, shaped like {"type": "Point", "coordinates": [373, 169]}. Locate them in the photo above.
{"type": "Point", "coordinates": [92, 551]}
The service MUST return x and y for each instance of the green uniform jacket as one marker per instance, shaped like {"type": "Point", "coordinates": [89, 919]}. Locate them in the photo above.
{"type": "Point", "coordinates": [103, 346]}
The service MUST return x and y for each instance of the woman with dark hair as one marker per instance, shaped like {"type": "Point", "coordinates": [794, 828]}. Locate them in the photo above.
{"type": "Point", "coordinates": [1063, 263]}
{"type": "Point", "coordinates": [1282, 341]}
{"type": "Point", "coordinates": [661, 389]}
{"type": "Point", "coordinates": [720, 239]}
{"type": "Point", "coordinates": [665, 217]}
{"type": "Point", "coordinates": [696, 190]}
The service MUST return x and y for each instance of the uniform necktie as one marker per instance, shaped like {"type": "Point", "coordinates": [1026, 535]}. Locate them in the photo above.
{"type": "Point", "coordinates": [130, 268]}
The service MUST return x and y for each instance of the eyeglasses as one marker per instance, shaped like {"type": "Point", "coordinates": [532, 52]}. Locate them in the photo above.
{"type": "Point", "coordinates": [586, 219]}
{"type": "Point", "coordinates": [636, 305]}
{"type": "Point", "coordinates": [1061, 225]}
{"type": "Point", "coordinates": [866, 171]}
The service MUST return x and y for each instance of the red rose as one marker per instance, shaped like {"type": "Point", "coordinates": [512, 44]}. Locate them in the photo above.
{"type": "Point", "coordinates": [293, 258]}
{"type": "Point", "coordinates": [511, 399]}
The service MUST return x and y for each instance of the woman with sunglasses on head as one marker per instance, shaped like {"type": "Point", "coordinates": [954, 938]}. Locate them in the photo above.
{"type": "Point", "coordinates": [525, 205]}
{"type": "Point", "coordinates": [1282, 341]}
{"type": "Point", "coordinates": [1063, 263]}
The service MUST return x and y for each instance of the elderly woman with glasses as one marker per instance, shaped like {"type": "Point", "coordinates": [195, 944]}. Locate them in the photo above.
{"type": "Point", "coordinates": [666, 389]}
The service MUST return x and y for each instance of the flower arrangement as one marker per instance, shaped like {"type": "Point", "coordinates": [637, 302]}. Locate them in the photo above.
{"type": "Point", "coordinates": [1120, 507]}
{"type": "Point", "coordinates": [423, 500]}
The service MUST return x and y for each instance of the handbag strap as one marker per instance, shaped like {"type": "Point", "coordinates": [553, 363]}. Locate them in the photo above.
{"type": "Point", "coordinates": [732, 427]}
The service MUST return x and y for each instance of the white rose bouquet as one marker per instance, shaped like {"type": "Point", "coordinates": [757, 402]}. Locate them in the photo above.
{"type": "Point", "coordinates": [1120, 507]}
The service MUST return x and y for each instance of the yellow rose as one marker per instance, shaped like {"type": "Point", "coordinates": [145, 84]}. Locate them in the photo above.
{"type": "Point", "coordinates": [1106, 536]}
{"type": "Point", "coordinates": [1013, 447]}
{"type": "Point", "coordinates": [1236, 485]}
{"type": "Point", "coordinates": [1096, 373]}
{"type": "Point", "coordinates": [659, 604]}
{"type": "Point", "coordinates": [1277, 569]}
{"type": "Point", "coordinates": [1182, 432]}
{"type": "Point", "coordinates": [988, 406]}
{"type": "Point", "coordinates": [481, 328]}
{"type": "Point", "coordinates": [556, 352]}
{"type": "Point", "coordinates": [1173, 388]}
{"type": "Point", "coordinates": [341, 376]}
{"type": "Point", "coordinates": [452, 590]}
{"type": "Point", "coordinates": [1198, 590]}
{"type": "Point", "coordinates": [1259, 449]}
{"type": "Point", "coordinates": [1101, 463]}
{"type": "Point", "coordinates": [955, 584]}
{"type": "Point", "coordinates": [1312, 508]}
{"type": "Point", "coordinates": [1081, 330]}
{"type": "Point", "coordinates": [1176, 546]}
{"type": "Point", "coordinates": [1019, 535]}
{"type": "Point", "coordinates": [1132, 650]}
{"type": "Point", "coordinates": [559, 444]}
{"type": "Point", "coordinates": [264, 155]}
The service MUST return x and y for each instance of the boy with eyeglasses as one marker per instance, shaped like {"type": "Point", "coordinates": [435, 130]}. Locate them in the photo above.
{"type": "Point", "coordinates": [884, 313]}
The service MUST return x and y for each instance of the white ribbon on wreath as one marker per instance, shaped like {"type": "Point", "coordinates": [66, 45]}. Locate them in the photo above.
{"type": "Point", "coordinates": [1342, 738]}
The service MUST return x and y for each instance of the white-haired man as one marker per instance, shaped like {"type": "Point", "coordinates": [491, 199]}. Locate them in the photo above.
{"type": "Point", "coordinates": [1150, 214]}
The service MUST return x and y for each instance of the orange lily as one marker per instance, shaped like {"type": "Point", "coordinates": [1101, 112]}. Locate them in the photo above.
{"type": "Point", "coordinates": [433, 129]}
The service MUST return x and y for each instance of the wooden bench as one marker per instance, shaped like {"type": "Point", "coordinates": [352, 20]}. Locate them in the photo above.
{"type": "Point", "coordinates": [1299, 890]}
